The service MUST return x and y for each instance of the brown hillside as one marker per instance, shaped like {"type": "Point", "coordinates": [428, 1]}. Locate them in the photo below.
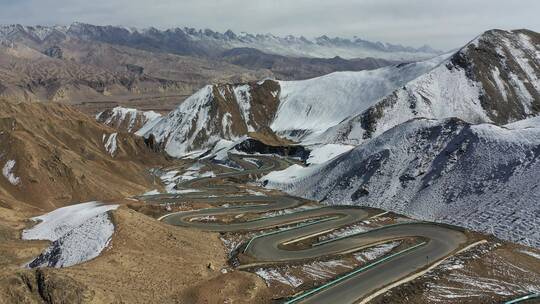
{"type": "Point", "coordinates": [60, 157]}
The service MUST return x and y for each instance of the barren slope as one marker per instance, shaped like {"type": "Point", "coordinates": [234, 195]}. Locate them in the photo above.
{"type": "Point", "coordinates": [52, 155]}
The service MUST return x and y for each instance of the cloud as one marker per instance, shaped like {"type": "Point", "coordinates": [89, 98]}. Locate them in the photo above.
{"type": "Point", "coordinates": [442, 24]}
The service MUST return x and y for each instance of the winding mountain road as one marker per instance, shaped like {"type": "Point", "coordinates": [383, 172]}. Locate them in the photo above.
{"type": "Point", "coordinates": [435, 242]}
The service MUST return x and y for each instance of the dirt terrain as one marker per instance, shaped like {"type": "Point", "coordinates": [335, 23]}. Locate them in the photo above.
{"type": "Point", "coordinates": [162, 263]}
{"type": "Point", "coordinates": [149, 261]}
{"type": "Point", "coordinates": [60, 157]}
{"type": "Point", "coordinates": [57, 155]}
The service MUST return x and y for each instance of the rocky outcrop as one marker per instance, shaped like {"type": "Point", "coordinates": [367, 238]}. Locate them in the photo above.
{"type": "Point", "coordinates": [254, 146]}
{"type": "Point", "coordinates": [127, 119]}
{"type": "Point", "coordinates": [216, 112]}
{"type": "Point", "coordinates": [54, 52]}
{"type": "Point", "coordinates": [42, 286]}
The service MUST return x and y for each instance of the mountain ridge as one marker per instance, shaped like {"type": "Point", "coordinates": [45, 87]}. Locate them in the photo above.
{"type": "Point", "coordinates": [186, 41]}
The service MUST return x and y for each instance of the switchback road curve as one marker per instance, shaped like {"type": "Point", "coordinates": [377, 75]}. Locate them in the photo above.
{"type": "Point", "coordinates": [435, 242]}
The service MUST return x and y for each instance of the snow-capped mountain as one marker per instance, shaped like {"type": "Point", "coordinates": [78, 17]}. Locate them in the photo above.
{"type": "Point", "coordinates": [214, 113]}
{"type": "Point", "coordinates": [483, 177]}
{"type": "Point", "coordinates": [350, 107]}
{"type": "Point", "coordinates": [189, 41]}
{"type": "Point", "coordinates": [495, 78]}
{"type": "Point", "coordinates": [297, 110]}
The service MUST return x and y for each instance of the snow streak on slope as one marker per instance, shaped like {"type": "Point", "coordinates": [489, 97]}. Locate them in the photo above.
{"type": "Point", "coordinates": [180, 128]}
{"type": "Point", "coordinates": [481, 177]}
{"type": "Point", "coordinates": [213, 114]}
{"type": "Point", "coordinates": [110, 144]}
{"type": "Point", "coordinates": [78, 233]}
{"type": "Point", "coordinates": [440, 93]}
{"type": "Point", "coordinates": [127, 119]}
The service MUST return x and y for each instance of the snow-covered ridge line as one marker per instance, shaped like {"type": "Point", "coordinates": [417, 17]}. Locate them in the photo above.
{"type": "Point", "coordinates": [78, 233]}
{"type": "Point", "coordinates": [437, 170]}
{"type": "Point", "coordinates": [315, 105]}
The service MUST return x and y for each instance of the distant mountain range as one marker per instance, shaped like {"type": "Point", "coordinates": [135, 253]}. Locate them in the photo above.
{"type": "Point", "coordinates": [96, 66]}
{"type": "Point", "coordinates": [190, 41]}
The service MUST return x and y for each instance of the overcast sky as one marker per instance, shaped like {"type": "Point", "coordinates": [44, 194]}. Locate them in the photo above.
{"type": "Point", "coordinates": [443, 24]}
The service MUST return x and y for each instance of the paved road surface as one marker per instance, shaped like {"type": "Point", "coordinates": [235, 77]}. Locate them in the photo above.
{"type": "Point", "coordinates": [438, 241]}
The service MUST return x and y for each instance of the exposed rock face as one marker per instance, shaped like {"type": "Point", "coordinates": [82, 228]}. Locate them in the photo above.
{"type": "Point", "coordinates": [507, 64]}
{"type": "Point", "coordinates": [127, 119]}
{"type": "Point", "coordinates": [216, 112]}
{"type": "Point", "coordinates": [43, 286]}
{"type": "Point", "coordinates": [255, 146]}
{"type": "Point", "coordinates": [139, 70]}
{"type": "Point", "coordinates": [54, 52]}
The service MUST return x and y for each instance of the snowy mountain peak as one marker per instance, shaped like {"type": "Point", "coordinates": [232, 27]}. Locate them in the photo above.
{"type": "Point", "coordinates": [196, 41]}
{"type": "Point", "coordinates": [494, 78]}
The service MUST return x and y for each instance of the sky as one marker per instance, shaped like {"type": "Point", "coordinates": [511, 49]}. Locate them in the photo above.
{"type": "Point", "coordinates": [443, 24]}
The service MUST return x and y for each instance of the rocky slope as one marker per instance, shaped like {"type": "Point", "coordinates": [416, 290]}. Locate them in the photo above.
{"type": "Point", "coordinates": [298, 68]}
{"type": "Point", "coordinates": [52, 155]}
{"type": "Point", "coordinates": [127, 119]}
{"type": "Point", "coordinates": [483, 177]}
{"type": "Point", "coordinates": [93, 75]}
{"type": "Point", "coordinates": [214, 113]}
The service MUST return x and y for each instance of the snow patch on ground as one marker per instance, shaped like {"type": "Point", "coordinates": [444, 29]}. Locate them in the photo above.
{"type": "Point", "coordinates": [323, 153]}
{"type": "Point", "coordinates": [533, 254]}
{"type": "Point", "coordinates": [270, 275]}
{"type": "Point", "coordinates": [376, 252]}
{"type": "Point", "coordinates": [256, 193]}
{"type": "Point", "coordinates": [78, 233]}
{"type": "Point", "coordinates": [172, 177]}
{"type": "Point", "coordinates": [152, 192]}
{"type": "Point", "coordinates": [7, 171]}
{"type": "Point", "coordinates": [323, 270]}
